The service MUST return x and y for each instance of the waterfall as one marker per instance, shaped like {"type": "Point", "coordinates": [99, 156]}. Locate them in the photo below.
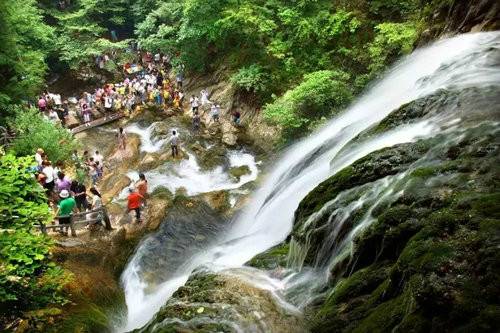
{"type": "Point", "coordinates": [458, 63]}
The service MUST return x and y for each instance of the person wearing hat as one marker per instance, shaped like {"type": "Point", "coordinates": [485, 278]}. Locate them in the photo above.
{"type": "Point", "coordinates": [65, 209]}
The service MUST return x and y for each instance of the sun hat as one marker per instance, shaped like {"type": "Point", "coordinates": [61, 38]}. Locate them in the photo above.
{"type": "Point", "coordinates": [64, 194]}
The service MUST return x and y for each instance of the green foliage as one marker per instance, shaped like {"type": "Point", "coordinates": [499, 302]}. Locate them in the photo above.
{"type": "Point", "coordinates": [392, 40]}
{"type": "Point", "coordinates": [25, 41]}
{"type": "Point", "coordinates": [320, 95]}
{"type": "Point", "coordinates": [34, 131]}
{"type": "Point", "coordinates": [270, 44]}
{"type": "Point", "coordinates": [251, 78]}
{"type": "Point", "coordinates": [28, 279]}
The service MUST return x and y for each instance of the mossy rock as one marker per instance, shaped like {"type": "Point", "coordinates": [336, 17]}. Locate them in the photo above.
{"type": "Point", "coordinates": [427, 260]}
{"type": "Point", "coordinates": [238, 172]}
{"type": "Point", "coordinates": [271, 259]}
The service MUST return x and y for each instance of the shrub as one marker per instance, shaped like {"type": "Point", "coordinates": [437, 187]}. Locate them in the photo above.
{"type": "Point", "coordinates": [251, 78]}
{"type": "Point", "coordinates": [392, 40]}
{"type": "Point", "coordinates": [28, 278]}
{"type": "Point", "coordinates": [321, 94]}
{"type": "Point", "coordinates": [34, 131]}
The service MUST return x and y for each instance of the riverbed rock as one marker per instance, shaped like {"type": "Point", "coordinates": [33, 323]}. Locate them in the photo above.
{"type": "Point", "coordinates": [229, 134]}
{"type": "Point", "coordinates": [238, 172]}
{"type": "Point", "coordinates": [218, 200]}
{"type": "Point", "coordinates": [222, 302]}
{"type": "Point", "coordinates": [130, 154]}
{"type": "Point", "coordinates": [210, 158]}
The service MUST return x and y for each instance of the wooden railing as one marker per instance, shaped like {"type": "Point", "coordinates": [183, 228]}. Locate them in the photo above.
{"type": "Point", "coordinates": [79, 219]}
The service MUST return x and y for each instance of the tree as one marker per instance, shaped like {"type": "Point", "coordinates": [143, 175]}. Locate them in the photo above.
{"type": "Point", "coordinates": [34, 131]}
{"type": "Point", "coordinates": [25, 42]}
{"type": "Point", "coordinates": [28, 277]}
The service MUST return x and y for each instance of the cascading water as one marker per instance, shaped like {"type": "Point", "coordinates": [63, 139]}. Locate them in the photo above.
{"type": "Point", "coordinates": [458, 63]}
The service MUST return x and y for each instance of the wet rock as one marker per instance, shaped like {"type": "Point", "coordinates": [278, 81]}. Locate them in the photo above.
{"type": "Point", "coordinates": [238, 172]}
{"type": "Point", "coordinates": [211, 302]}
{"type": "Point", "coordinates": [151, 161]}
{"type": "Point", "coordinates": [218, 200]}
{"type": "Point", "coordinates": [273, 258]}
{"type": "Point", "coordinates": [425, 247]}
{"type": "Point", "coordinates": [156, 211]}
{"type": "Point", "coordinates": [128, 155]}
{"type": "Point", "coordinates": [229, 134]}
{"type": "Point", "coordinates": [213, 157]}
{"type": "Point", "coordinates": [112, 184]}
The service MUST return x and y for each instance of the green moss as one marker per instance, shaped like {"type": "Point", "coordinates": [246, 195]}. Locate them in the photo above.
{"type": "Point", "coordinates": [272, 258]}
{"type": "Point", "coordinates": [426, 254]}
{"type": "Point", "coordinates": [487, 205]}
{"type": "Point", "coordinates": [162, 192]}
{"type": "Point", "coordinates": [363, 281]}
{"type": "Point", "coordinates": [91, 319]}
{"type": "Point", "coordinates": [384, 317]}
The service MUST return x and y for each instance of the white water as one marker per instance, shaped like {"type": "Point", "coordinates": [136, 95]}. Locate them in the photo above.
{"type": "Point", "coordinates": [147, 144]}
{"type": "Point", "coordinates": [457, 62]}
{"type": "Point", "coordinates": [188, 175]}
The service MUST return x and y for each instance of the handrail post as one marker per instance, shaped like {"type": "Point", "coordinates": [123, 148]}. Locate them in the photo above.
{"type": "Point", "coordinates": [72, 226]}
{"type": "Point", "coordinates": [43, 229]}
{"type": "Point", "coordinates": [105, 216]}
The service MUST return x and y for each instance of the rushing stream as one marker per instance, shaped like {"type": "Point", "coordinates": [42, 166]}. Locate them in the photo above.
{"type": "Point", "coordinates": [458, 63]}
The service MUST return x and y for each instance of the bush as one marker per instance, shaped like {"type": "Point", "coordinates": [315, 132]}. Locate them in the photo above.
{"type": "Point", "coordinates": [34, 131]}
{"type": "Point", "coordinates": [321, 94]}
{"type": "Point", "coordinates": [392, 41]}
{"type": "Point", "coordinates": [28, 278]}
{"type": "Point", "coordinates": [251, 78]}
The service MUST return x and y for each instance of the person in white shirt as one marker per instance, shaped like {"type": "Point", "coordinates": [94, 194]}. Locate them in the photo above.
{"type": "Point", "coordinates": [194, 103]}
{"type": "Point", "coordinates": [204, 97]}
{"type": "Point", "coordinates": [38, 156]}
{"type": "Point", "coordinates": [53, 117]}
{"type": "Point", "coordinates": [108, 103]}
{"type": "Point", "coordinates": [98, 158]}
{"type": "Point", "coordinates": [57, 99]}
{"type": "Point", "coordinates": [174, 143]}
{"type": "Point", "coordinates": [48, 171]}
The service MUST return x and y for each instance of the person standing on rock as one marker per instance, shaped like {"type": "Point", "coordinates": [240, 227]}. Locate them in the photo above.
{"type": "Point", "coordinates": [204, 97]}
{"type": "Point", "coordinates": [196, 122]}
{"type": "Point", "coordinates": [179, 78]}
{"type": "Point", "coordinates": [134, 203]}
{"type": "Point", "coordinates": [214, 112]}
{"type": "Point", "coordinates": [174, 144]}
{"type": "Point", "coordinates": [142, 187]}
{"type": "Point", "coordinates": [122, 139]}
{"type": "Point", "coordinates": [98, 157]}
{"type": "Point", "coordinates": [195, 103]}
{"type": "Point", "coordinates": [236, 117]}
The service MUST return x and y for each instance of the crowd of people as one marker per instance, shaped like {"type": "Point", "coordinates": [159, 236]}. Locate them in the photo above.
{"type": "Point", "coordinates": [147, 82]}
{"type": "Point", "coordinates": [67, 196]}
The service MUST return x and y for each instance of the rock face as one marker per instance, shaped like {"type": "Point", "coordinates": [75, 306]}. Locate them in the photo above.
{"type": "Point", "coordinates": [222, 303]}
{"type": "Point", "coordinates": [427, 219]}
{"type": "Point", "coordinates": [460, 17]}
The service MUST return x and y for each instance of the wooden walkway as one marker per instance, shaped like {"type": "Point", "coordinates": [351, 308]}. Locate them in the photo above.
{"type": "Point", "coordinates": [98, 122]}
{"type": "Point", "coordinates": [79, 219]}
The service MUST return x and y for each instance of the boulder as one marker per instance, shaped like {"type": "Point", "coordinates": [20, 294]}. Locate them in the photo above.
{"type": "Point", "coordinates": [237, 172]}
{"type": "Point", "coordinates": [218, 200]}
